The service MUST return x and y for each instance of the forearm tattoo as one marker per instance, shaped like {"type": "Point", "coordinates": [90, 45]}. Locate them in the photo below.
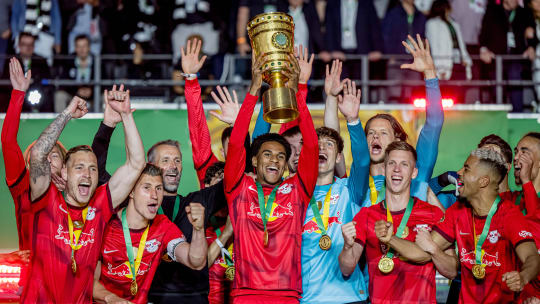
{"type": "Point", "coordinates": [39, 166]}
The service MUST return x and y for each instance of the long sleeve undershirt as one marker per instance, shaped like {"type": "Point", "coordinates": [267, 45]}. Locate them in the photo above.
{"type": "Point", "coordinates": [13, 158]}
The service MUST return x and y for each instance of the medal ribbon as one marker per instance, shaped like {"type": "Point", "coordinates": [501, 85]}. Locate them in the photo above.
{"type": "Point", "coordinates": [403, 222]}
{"type": "Point", "coordinates": [478, 243]}
{"type": "Point", "coordinates": [73, 234]}
{"type": "Point", "coordinates": [133, 265]}
{"type": "Point", "coordinates": [322, 223]}
{"type": "Point", "coordinates": [175, 209]}
{"type": "Point", "coordinates": [266, 207]}
{"type": "Point", "coordinates": [224, 252]}
{"type": "Point", "coordinates": [374, 196]}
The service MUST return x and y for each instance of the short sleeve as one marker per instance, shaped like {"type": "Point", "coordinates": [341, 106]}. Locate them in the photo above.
{"type": "Point", "coordinates": [516, 228]}
{"type": "Point", "coordinates": [173, 237]}
{"type": "Point", "coordinates": [103, 201]}
{"type": "Point", "coordinates": [446, 225]}
{"type": "Point", "coordinates": [44, 200]}
{"type": "Point", "coordinates": [361, 219]}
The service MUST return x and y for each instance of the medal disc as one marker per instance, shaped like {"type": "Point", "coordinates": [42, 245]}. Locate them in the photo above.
{"type": "Point", "coordinates": [265, 238]}
{"type": "Point", "coordinates": [386, 264]}
{"type": "Point", "coordinates": [133, 288]}
{"type": "Point", "coordinates": [325, 242]}
{"type": "Point", "coordinates": [73, 265]}
{"type": "Point", "coordinates": [166, 258]}
{"type": "Point", "coordinates": [229, 273]}
{"type": "Point", "coordinates": [479, 271]}
{"type": "Point", "coordinates": [405, 232]}
{"type": "Point", "coordinates": [78, 224]}
{"type": "Point", "coordinates": [319, 205]}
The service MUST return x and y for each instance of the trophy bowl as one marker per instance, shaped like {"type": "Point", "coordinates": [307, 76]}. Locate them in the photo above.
{"type": "Point", "coordinates": [273, 34]}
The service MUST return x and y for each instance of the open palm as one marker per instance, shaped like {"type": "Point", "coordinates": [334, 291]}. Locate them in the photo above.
{"type": "Point", "coordinates": [191, 64]}
{"type": "Point", "coordinates": [421, 54]}
{"type": "Point", "coordinates": [16, 75]}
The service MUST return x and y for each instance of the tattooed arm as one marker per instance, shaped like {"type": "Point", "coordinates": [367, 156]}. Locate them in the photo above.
{"type": "Point", "coordinates": [40, 168]}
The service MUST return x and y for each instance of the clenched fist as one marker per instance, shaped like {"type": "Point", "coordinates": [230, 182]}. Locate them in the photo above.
{"type": "Point", "coordinates": [77, 107]}
{"type": "Point", "coordinates": [349, 234]}
{"type": "Point", "coordinates": [514, 281]}
{"type": "Point", "coordinates": [384, 231]}
{"type": "Point", "coordinates": [195, 214]}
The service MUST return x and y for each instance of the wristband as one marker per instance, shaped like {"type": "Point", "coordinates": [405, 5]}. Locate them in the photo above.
{"type": "Point", "coordinates": [241, 40]}
{"type": "Point", "coordinates": [219, 243]}
{"type": "Point", "coordinates": [189, 76]}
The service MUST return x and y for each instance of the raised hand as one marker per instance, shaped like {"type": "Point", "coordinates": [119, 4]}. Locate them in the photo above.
{"type": "Point", "coordinates": [195, 214]}
{"type": "Point", "coordinates": [349, 102]}
{"type": "Point", "coordinates": [256, 73]}
{"type": "Point", "coordinates": [349, 234]}
{"type": "Point", "coordinates": [229, 106]}
{"type": "Point", "coordinates": [514, 281]}
{"type": "Point", "coordinates": [332, 85]}
{"type": "Point", "coordinates": [304, 64]}
{"type": "Point", "coordinates": [384, 231]}
{"type": "Point", "coordinates": [525, 162]}
{"type": "Point", "coordinates": [118, 100]}
{"type": "Point", "coordinates": [77, 107]}
{"type": "Point", "coordinates": [293, 74]}
{"type": "Point", "coordinates": [423, 62]}
{"type": "Point", "coordinates": [424, 241]}
{"type": "Point", "coordinates": [16, 75]}
{"type": "Point", "coordinates": [191, 64]}
{"type": "Point", "coordinates": [110, 116]}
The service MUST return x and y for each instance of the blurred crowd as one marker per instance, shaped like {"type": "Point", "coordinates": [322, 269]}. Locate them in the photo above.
{"type": "Point", "coordinates": [458, 30]}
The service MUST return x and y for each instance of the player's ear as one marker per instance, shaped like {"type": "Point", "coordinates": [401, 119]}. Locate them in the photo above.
{"type": "Point", "coordinates": [415, 172]}
{"type": "Point", "coordinates": [484, 181]}
{"type": "Point", "coordinates": [254, 161]}
{"type": "Point", "coordinates": [339, 158]}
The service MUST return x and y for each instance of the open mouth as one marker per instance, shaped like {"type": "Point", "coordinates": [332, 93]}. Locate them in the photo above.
{"type": "Point", "coordinates": [323, 158]}
{"type": "Point", "coordinates": [396, 179]}
{"type": "Point", "coordinates": [376, 149]}
{"type": "Point", "coordinates": [84, 188]}
{"type": "Point", "coordinates": [460, 182]}
{"type": "Point", "coordinates": [153, 208]}
{"type": "Point", "coordinates": [272, 170]}
{"type": "Point", "coordinates": [171, 177]}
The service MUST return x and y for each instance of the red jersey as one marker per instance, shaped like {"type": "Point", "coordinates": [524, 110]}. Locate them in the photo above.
{"type": "Point", "coordinates": [16, 173]}
{"type": "Point", "coordinates": [220, 287]}
{"type": "Point", "coordinates": [163, 236]}
{"type": "Point", "coordinates": [50, 276]}
{"type": "Point", "coordinates": [408, 282]}
{"type": "Point", "coordinates": [507, 230]}
{"type": "Point", "coordinates": [273, 270]}
{"type": "Point", "coordinates": [201, 144]}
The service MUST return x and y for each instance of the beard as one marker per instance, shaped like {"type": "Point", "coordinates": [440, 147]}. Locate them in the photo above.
{"type": "Point", "coordinates": [171, 186]}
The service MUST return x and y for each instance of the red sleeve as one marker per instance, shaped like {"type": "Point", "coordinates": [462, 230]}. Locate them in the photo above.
{"type": "Point", "coordinates": [361, 219]}
{"type": "Point", "coordinates": [42, 202]}
{"type": "Point", "coordinates": [516, 228]}
{"type": "Point", "coordinates": [308, 162]}
{"type": "Point", "coordinates": [236, 157]}
{"type": "Point", "coordinates": [446, 227]}
{"type": "Point", "coordinates": [172, 232]}
{"type": "Point", "coordinates": [15, 167]}
{"type": "Point", "coordinates": [199, 134]}
{"type": "Point", "coordinates": [532, 202]}
{"type": "Point", "coordinates": [104, 201]}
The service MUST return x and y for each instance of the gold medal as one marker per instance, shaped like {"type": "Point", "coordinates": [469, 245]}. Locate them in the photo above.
{"type": "Point", "coordinates": [319, 205]}
{"type": "Point", "coordinates": [78, 224]}
{"type": "Point", "coordinates": [325, 242]}
{"type": "Point", "coordinates": [479, 271]}
{"type": "Point", "coordinates": [265, 238]}
{"type": "Point", "coordinates": [133, 287]}
{"type": "Point", "coordinates": [405, 232]}
{"type": "Point", "coordinates": [386, 264]}
{"type": "Point", "coordinates": [166, 258]}
{"type": "Point", "coordinates": [229, 273]}
{"type": "Point", "coordinates": [73, 265]}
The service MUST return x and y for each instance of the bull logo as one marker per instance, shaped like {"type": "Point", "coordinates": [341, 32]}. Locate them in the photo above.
{"type": "Point", "coordinates": [285, 189]}
{"type": "Point", "coordinates": [123, 269]}
{"type": "Point", "coordinates": [278, 211]}
{"type": "Point", "coordinates": [91, 213]}
{"type": "Point", "coordinates": [493, 236]}
{"type": "Point", "coordinates": [83, 237]}
{"type": "Point", "coordinates": [152, 245]}
{"type": "Point", "coordinates": [487, 259]}
{"type": "Point", "coordinates": [312, 226]}
{"type": "Point", "coordinates": [334, 199]}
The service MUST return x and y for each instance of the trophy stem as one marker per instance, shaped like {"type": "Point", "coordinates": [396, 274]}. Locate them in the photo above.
{"type": "Point", "coordinates": [277, 80]}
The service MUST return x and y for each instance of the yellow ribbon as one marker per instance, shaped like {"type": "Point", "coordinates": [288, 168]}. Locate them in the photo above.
{"type": "Point", "coordinates": [140, 251]}
{"type": "Point", "coordinates": [372, 191]}
{"type": "Point", "coordinates": [75, 245]}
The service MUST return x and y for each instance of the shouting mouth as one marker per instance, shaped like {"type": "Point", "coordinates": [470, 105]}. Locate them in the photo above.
{"type": "Point", "coordinates": [322, 158]}
{"type": "Point", "coordinates": [376, 149]}
{"type": "Point", "coordinates": [84, 188]}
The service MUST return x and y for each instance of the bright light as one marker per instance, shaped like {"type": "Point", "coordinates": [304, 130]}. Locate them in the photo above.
{"type": "Point", "coordinates": [9, 269]}
{"type": "Point", "coordinates": [34, 97]}
{"type": "Point", "coordinates": [421, 102]}
{"type": "Point", "coordinates": [9, 280]}
{"type": "Point", "coordinates": [447, 102]}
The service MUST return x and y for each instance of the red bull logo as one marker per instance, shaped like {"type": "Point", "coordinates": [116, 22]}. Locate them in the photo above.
{"type": "Point", "coordinates": [85, 238]}
{"type": "Point", "coordinates": [487, 259]}
{"type": "Point", "coordinates": [312, 226]}
{"type": "Point", "coordinates": [278, 211]}
{"type": "Point", "coordinates": [123, 270]}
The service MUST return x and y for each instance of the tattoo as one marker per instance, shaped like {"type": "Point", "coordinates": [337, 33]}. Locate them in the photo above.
{"type": "Point", "coordinates": [39, 166]}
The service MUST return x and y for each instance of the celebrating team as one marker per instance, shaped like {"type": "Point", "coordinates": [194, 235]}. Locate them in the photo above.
{"type": "Point", "coordinates": [300, 238]}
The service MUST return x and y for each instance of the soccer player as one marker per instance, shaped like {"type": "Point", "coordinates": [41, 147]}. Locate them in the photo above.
{"type": "Point", "coordinates": [136, 238]}
{"type": "Point", "coordinates": [490, 234]}
{"type": "Point", "coordinates": [527, 174]}
{"type": "Point", "coordinates": [334, 201]}
{"type": "Point", "coordinates": [69, 225]}
{"type": "Point", "coordinates": [387, 232]}
{"type": "Point", "coordinates": [221, 263]}
{"type": "Point", "coordinates": [267, 213]}
{"type": "Point", "coordinates": [16, 163]}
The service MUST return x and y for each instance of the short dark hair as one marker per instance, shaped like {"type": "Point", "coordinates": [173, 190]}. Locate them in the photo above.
{"type": "Point", "coordinates": [216, 168]}
{"type": "Point", "coordinates": [439, 9]}
{"type": "Point", "coordinates": [261, 139]}
{"type": "Point", "coordinates": [535, 135]}
{"type": "Point", "coordinates": [493, 139]}
{"type": "Point", "coordinates": [82, 36]}
{"type": "Point", "coordinates": [291, 132]}
{"type": "Point", "coordinates": [400, 146]}
{"type": "Point", "coordinates": [168, 142]}
{"type": "Point", "coordinates": [332, 134]}
{"type": "Point", "coordinates": [152, 170]}
{"type": "Point", "coordinates": [27, 34]}
{"type": "Point", "coordinates": [399, 132]}
{"type": "Point", "coordinates": [225, 134]}
{"type": "Point", "coordinates": [80, 148]}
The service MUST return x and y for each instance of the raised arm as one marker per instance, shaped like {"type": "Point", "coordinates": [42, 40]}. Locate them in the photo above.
{"type": "Point", "coordinates": [13, 157]}
{"type": "Point", "coordinates": [124, 178]}
{"type": "Point", "coordinates": [349, 105]}
{"type": "Point", "coordinates": [385, 233]}
{"type": "Point", "coordinates": [532, 201]}
{"type": "Point", "coordinates": [261, 126]}
{"type": "Point", "coordinates": [40, 169]}
{"type": "Point", "coordinates": [194, 254]}
{"type": "Point", "coordinates": [444, 257]}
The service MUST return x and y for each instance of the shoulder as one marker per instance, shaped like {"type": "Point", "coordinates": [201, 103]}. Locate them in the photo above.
{"type": "Point", "coordinates": [429, 210]}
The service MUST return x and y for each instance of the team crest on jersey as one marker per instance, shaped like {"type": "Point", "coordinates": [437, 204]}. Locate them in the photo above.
{"type": "Point", "coordinates": [493, 236]}
{"type": "Point", "coordinates": [278, 210]}
{"type": "Point", "coordinates": [524, 234]}
{"type": "Point", "coordinates": [334, 199]}
{"type": "Point", "coordinates": [285, 189]}
{"type": "Point", "coordinates": [84, 238]}
{"type": "Point", "coordinates": [91, 213]}
{"type": "Point", "coordinates": [152, 245]}
{"type": "Point", "coordinates": [470, 257]}
{"type": "Point", "coordinates": [419, 227]}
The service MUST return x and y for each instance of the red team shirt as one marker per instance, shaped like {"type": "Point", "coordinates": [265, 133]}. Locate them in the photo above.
{"type": "Point", "coordinates": [273, 270]}
{"type": "Point", "coordinates": [51, 277]}
{"type": "Point", "coordinates": [220, 286]}
{"type": "Point", "coordinates": [163, 236]}
{"type": "Point", "coordinates": [507, 230]}
{"type": "Point", "coordinates": [408, 282]}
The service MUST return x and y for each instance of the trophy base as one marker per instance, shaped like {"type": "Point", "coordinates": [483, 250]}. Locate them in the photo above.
{"type": "Point", "coordinates": [279, 105]}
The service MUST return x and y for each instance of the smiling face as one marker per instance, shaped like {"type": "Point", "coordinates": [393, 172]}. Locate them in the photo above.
{"type": "Point", "coordinates": [527, 145]}
{"type": "Point", "coordinates": [379, 135]}
{"type": "Point", "coordinates": [296, 143]}
{"type": "Point", "coordinates": [472, 177]}
{"type": "Point", "coordinates": [328, 155]}
{"type": "Point", "coordinates": [270, 162]}
{"type": "Point", "coordinates": [81, 175]}
{"type": "Point", "coordinates": [169, 159]}
{"type": "Point", "coordinates": [147, 195]}
{"type": "Point", "coordinates": [399, 171]}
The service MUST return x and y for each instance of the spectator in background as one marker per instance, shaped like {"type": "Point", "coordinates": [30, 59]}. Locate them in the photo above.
{"type": "Point", "coordinates": [503, 31]}
{"type": "Point", "coordinates": [85, 21]}
{"type": "Point", "coordinates": [402, 20]}
{"type": "Point", "coordinates": [81, 70]}
{"type": "Point", "coordinates": [307, 27]}
{"type": "Point", "coordinates": [5, 32]}
{"type": "Point", "coordinates": [534, 5]}
{"type": "Point", "coordinates": [352, 27]}
{"type": "Point", "coordinates": [447, 47]}
{"type": "Point", "coordinates": [41, 19]}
